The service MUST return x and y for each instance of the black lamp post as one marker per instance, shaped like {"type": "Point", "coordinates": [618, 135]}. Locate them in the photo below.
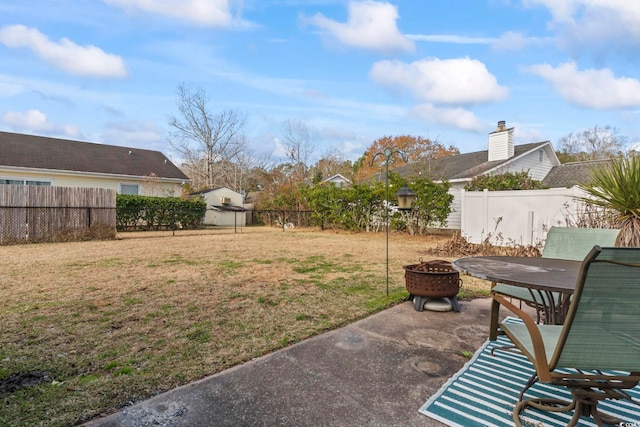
{"type": "Point", "coordinates": [405, 195]}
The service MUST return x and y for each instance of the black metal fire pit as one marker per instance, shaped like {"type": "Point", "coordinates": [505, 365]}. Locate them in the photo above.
{"type": "Point", "coordinates": [432, 280]}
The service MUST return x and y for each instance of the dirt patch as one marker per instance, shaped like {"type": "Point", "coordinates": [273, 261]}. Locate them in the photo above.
{"type": "Point", "coordinates": [23, 379]}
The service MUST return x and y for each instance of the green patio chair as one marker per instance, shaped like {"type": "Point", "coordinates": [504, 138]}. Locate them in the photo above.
{"type": "Point", "coordinates": [570, 243]}
{"type": "Point", "coordinates": [595, 352]}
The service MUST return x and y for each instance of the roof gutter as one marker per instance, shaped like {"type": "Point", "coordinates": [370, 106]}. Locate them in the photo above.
{"type": "Point", "coordinates": [93, 174]}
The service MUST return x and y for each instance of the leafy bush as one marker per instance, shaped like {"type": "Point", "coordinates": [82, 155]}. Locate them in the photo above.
{"type": "Point", "coordinates": [362, 207]}
{"type": "Point", "coordinates": [504, 181]}
{"type": "Point", "coordinates": [145, 212]}
{"type": "Point", "coordinates": [431, 206]}
{"type": "Point", "coordinates": [350, 208]}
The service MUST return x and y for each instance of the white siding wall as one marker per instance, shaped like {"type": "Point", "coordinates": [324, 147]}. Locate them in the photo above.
{"type": "Point", "coordinates": [538, 168]}
{"type": "Point", "coordinates": [225, 218]}
{"type": "Point", "coordinates": [213, 197]}
{"type": "Point", "coordinates": [147, 187]}
{"type": "Point", "coordinates": [454, 218]}
{"type": "Point", "coordinates": [501, 145]}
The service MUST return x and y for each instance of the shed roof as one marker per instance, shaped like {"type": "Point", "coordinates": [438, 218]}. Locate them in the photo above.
{"type": "Point", "coordinates": [39, 152]}
{"type": "Point", "coordinates": [228, 208]}
{"type": "Point", "coordinates": [209, 190]}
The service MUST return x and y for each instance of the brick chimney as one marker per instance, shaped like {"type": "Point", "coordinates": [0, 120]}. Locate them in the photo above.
{"type": "Point", "coordinates": [501, 142]}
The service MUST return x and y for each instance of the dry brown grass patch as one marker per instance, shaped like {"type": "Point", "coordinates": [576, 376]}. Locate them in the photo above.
{"type": "Point", "coordinates": [113, 322]}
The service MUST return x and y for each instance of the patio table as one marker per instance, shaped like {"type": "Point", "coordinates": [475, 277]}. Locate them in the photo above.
{"type": "Point", "coordinates": [549, 280]}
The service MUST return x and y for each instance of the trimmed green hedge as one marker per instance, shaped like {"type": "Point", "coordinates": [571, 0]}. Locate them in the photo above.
{"type": "Point", "coordinates": [155, 213]}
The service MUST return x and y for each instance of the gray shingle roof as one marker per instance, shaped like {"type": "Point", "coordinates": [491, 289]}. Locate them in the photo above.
{"type": "Point", "coordinates": [38, 152]}
{"type": "Point", "coordinates": [462, 166]}
{"type": "Point", "coordinates": [570, 174]}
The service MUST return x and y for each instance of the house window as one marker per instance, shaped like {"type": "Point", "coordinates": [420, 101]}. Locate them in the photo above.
{"type": "Point", "coordinates": [24, 182]}
{"type": "Point", "coordinates": [541, 156]}
{"type": "Point", "coordinates": [129, 189]}
{"type": "Point", "coordinates": [12, 181]}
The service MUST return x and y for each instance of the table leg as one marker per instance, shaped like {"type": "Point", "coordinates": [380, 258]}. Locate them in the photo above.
{"type": "Point", "coordinates": [493, 321]}
{"type": "Point", "coordinates": [553, 305]}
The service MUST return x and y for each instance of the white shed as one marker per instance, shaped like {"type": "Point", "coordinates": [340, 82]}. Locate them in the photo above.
{"type": "Point", "coordinates": [224, 207]}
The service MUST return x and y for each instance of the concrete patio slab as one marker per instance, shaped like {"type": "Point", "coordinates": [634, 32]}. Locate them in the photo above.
{"type": "Point", "coordinates": [374, 372]}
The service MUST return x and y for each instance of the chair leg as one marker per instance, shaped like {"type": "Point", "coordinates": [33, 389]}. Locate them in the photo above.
{"type": "Point", "coordinates": [579, 406]}
{"type": "Point", "coordinates": [545, 404]}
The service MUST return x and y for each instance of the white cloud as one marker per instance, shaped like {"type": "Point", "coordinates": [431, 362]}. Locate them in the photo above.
{"type": "Point", "coordinates": [508, 41]}
{"type": "Point", "coordinates": [587, 22]}
{"type": "Point", "coordinates": [133, 134]}
{"type": "Point", "coordinates": [566, 10]}
{"type": "Point", "coordinates": [35, 121]}
{"type": "Point", "coordinates": [598, 89]}
{"type": "Point", "coordinates": [561, 10]}
{"type": "Point", "coordinates": [351, 150]}
{"type": "Point", "coordinates": [215, 13]}
{"type": "Point", "coordinates": [32, 119]}
{"type": "Point", "coordinates": [65, 55]}
{"type": "Point", "coordinates": [371, 25]}
{"type": "Point", "coordinates": [513, 41]}
{"type": "Point", "coordinates": [10, 89]}
{"type": "Point", "coordinates": [455, 117]}
{"type": "Point", "coordinates": [451, 38]}
{"type": "Point", "coordinates": [279, 150]}
{"type": "Point", "coordinates": [441, 81]}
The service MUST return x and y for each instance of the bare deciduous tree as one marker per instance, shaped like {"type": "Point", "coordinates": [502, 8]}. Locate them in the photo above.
{"type": "Point", "coordinates": [203, 138]}
{"type": "Point", "coordinates": [237, 173]}
{"type": "Point", "coordinates": [332, 162]}
{"type": "Point", "coordinates": [591, 144]}
{"type": "Point", "coordinates": [298, 142]}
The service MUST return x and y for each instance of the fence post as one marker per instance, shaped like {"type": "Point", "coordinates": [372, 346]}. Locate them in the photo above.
{"type": "Point", "coordinates": [173, 221]}
{"type": "Point", "coordinates": [530, 218]}
{"type": "Point", "coordinates": [485, 211]}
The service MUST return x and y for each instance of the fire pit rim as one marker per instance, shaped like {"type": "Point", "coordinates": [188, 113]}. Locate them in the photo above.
{"type": "Point", "coordinates": [440, 281]}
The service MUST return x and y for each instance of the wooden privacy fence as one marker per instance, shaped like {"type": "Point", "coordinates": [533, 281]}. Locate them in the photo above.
{"type": "Point", "coordinates": [53, 214]}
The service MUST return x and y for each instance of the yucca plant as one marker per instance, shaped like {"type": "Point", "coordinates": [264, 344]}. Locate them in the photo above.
{"type": "Point", "coordinates": [616, 188]}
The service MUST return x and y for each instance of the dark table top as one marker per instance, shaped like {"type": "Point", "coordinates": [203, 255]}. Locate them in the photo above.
{"type": "Point", "coordinates": [547, 274]}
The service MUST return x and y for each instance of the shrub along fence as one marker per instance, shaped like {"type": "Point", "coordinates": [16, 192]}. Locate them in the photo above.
{"type": "Point", "coordinates": [30, 214]}
{"type": "Point", "coordinates": [158, 213]}
{"type": "Point", "coordinates": [280, 218]}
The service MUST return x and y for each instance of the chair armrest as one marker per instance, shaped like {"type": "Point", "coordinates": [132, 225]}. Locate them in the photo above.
{"type": "Point", "coordinates": [539, 356]}
{"type": "Point", "coordinates": [523, 294]}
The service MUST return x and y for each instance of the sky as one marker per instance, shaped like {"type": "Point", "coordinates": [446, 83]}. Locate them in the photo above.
{"type": "Point", "coordinates": [107, 71]}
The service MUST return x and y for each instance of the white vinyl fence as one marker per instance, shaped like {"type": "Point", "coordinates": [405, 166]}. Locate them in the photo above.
{"type": "Point", "coordinates": [520, 217]}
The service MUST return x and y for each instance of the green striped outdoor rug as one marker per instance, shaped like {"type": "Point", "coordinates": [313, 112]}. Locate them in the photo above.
{"type": "Point", "coordinates": [485, 390]}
